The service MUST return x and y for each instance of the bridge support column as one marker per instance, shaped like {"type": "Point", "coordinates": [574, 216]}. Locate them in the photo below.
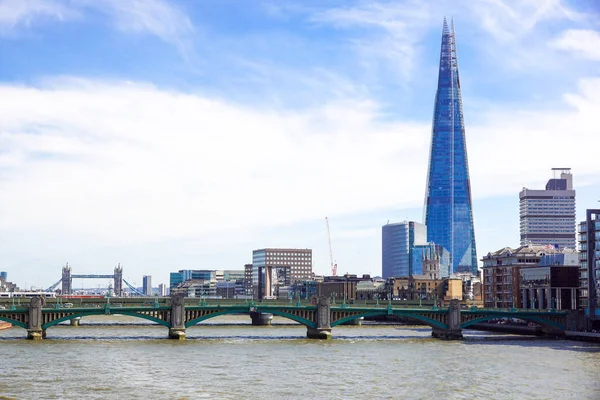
{"type": "Point", "coordinates": [74, 321]}
{"type": "Point", "coordinates": [260, 319]}
{"type": "Point", "coordinates": [323, 320]}
{"type": "Point", "coordinates": [34, 328]}
{"type": "Point", "coordinates": [177, 328]}
{"type": "Point", "coordinates": [454, 331]}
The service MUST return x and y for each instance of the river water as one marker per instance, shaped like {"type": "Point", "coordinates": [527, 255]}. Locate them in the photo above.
{"type": "Point", "coordinates": [226, 358]}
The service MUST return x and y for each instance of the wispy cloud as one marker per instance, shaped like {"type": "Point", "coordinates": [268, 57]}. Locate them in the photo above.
{"type": "Point", "coordinates": [584, 43]}
{"type": "Point", "coordinates": [154, 17]}
{"type": "Point", "coordinates": [15, 14]}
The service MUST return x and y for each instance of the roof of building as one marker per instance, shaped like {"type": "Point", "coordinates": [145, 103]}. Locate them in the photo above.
{"type": "Point", "coordinates": [535, 250]}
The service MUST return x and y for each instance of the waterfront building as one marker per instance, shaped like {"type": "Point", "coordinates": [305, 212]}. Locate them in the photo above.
{"type": "Point", "coordinates": [548, 216]}
{"type": "Point", "coordinates": [501, 275]}
{"type": "Point", "coordinates": [397, 243]}
{"type": "Point", "coordinates": [589, 263]}
{"type": "Point", "coordinates": [550, 286]}
{"type": "Point", "coordinates": [448, 206]}
{"type": "Point", "coordinates": [340, 287]}
{"type": "Point", "coordinates": [177, 278]}
{"type": "Point", "coordinates": [147, 285]}
{"type": "Point", "coordinates": [273, 267]}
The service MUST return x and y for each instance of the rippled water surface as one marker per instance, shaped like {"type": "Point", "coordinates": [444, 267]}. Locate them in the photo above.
{"type": "Point", "coordinates": [226, 358]}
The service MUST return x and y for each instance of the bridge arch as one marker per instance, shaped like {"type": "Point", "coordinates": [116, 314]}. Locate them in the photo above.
{"type": "Point", "coordinates": [420, 318]}
{"type": "Point", "coordinates": [112, 312]}
{"type": "Point", "coordinates": [534, 319]}
{"type": "Point", "coordinates": [13, 322]}
{"type": "Point", "coordinates": [246, 310]}
{"type": "Point", "coordinates": [240, 310]}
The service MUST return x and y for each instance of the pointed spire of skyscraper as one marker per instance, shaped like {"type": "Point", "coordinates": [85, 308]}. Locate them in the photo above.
{"type": "Point", "coordinates": [448, 209]}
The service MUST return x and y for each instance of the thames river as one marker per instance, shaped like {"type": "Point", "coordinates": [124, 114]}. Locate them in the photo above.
{"type": "Point", "coordinates": [226, 358]}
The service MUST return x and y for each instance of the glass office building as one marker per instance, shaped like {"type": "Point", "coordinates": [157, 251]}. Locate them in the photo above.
{"type": "Point", "coordinates": [397, 243]}
{"type": "Point", "coordinates": [448, 210]}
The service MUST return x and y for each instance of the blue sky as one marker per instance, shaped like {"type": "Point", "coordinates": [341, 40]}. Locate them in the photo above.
{"type": "Point", "coordinates": [169, 135]}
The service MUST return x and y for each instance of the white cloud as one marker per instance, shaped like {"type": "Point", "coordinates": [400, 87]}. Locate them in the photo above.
{"type": "Point", "coordinates": [585, 43]}
{"type": "Point", "coordinates": [90, 157]}
{"type": "Point", "coordinates": [92, 165]}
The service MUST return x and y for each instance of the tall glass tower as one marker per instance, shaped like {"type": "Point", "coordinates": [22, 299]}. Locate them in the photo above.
{"type": "Point", "coordinates": [448, 211]}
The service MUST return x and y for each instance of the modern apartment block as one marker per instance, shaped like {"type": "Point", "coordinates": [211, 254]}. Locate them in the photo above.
{"type": "Point", "coordinates": [272, 268]}
{"type": "Point", "coordinates": [548, 216]}
{"type": "Point", "coordinates": [589, 262]}
{"type": "Point", "coordinates": [448, 205]}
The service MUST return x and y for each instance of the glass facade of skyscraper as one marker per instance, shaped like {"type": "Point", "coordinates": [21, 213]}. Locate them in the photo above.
{"type": "Point", "coordinates": [448, 209]}
{"type": "Point", "coordinates": [397, 243]}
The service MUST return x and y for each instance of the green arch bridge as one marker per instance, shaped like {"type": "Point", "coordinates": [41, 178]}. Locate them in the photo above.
{"type": "Point", "coordinates": [319, 317]}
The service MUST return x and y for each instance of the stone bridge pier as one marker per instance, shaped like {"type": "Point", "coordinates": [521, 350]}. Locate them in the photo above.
{"type": "Point", "coordinates": [323, 321]}
{"type": "Point", "coordinates": [454, 331]}
{"type": "Point", "coordinates": [36, 320]}
{"type": "Point", "coordinates": [177, 328]}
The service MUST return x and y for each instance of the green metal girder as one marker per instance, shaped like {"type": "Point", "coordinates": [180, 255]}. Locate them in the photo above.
{"type": "Point", "coordinates": [12, 321]}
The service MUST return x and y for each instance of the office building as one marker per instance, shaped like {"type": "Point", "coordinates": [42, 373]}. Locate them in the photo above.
{"type": "Point", "coordinates": [147, 286]}
{"type": "Point", "coordinates": [177, 278]}
{"type": "Point", "coordinates": [397, 243]}
{"type": "Point", "coordinates": [448, 206]}
{"type": "Point", "coordinates": [589, 266]}
{"type": "Point", "coordinates": [548, 216]}
{"type": "Point", "coordinates": [162, 290]}
{"type": "Point", "coordinates": [272, 268]}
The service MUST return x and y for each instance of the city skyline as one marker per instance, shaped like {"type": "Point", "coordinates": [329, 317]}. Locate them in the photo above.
{"type": "Point", "coordinates": [164, 136]}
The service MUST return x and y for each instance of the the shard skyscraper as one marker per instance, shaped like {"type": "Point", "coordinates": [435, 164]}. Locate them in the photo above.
{"type": "Point", "coordinates": [448, 211]}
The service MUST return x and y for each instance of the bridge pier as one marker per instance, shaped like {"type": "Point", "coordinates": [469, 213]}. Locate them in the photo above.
{"type": "Point", "coordinates": [454, 331]}
{"type": "Point", "coordinates": [177, 328]}
{"type": "Point", "coordinates": [323, 320]}
{"type": "Point", "coordinates": [34, 328]}
{"type": "Point", "coordinates": [260, 319]}
{"type": "Point", "coordinates": [74, 321]}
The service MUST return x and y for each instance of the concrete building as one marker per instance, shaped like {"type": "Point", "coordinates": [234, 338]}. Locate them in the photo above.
{"type": "Point", "coordinates": [147, 285]}
{"type": "Point", "coordinates": [272, 268]}
{"type": "Point", "coordinates": [501, 273]}
{"type": "Point", "coordinates": [547, 217]}
{"type": "Point", "coordinates": [162, 290]}
{"type": "Point", "coordinates": [397, 243]}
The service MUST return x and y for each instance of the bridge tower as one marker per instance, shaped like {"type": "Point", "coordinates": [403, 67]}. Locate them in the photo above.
{"type": "Point", "coordinates": [67, 281]}
{"type": "Point", "coordinates": [118, 286]}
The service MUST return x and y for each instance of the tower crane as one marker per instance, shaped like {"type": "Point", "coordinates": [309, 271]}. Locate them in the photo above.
{"type": "Point", "coordinates": [333, 266]}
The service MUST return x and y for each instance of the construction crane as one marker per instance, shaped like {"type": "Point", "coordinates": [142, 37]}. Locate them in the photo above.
{"type": "Point", "coordinates": [333, 266]}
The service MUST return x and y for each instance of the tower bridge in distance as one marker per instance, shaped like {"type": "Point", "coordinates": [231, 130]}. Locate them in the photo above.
{"type": "Point", "coordinates": [66, 281]}
{"type": "Point", "coordinates": [177, 313]}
